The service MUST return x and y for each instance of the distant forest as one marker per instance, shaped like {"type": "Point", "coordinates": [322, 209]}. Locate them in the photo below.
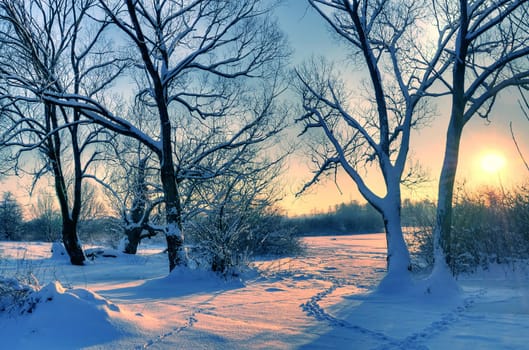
{"type": "Point", "coordinates": [355, 218]}
{"type": "Point", "coordinates": [342, 219]}
{"type": "Point", "coordinates": [346, 218]}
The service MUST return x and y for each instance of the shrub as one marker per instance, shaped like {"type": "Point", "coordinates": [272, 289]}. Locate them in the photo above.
{"type": "Point", "coordinates": [489, 226]}
{"type": "Point", "coordinates": [16, 293]}
{"type": "Point", "coordinates": [226, 245]}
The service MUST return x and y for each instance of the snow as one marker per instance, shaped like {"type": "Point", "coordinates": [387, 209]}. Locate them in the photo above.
{"type": "Point", "coordinates": [326, 299]}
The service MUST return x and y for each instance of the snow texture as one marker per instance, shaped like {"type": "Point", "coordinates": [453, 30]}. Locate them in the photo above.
{"type": "Point", "coordinates": [326, 299]}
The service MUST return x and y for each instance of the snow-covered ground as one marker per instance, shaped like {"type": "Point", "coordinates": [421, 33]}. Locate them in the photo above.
{"type": "Point", "coordinates": [321, 300]}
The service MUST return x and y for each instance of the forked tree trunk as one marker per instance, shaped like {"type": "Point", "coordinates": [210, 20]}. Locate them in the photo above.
{"type": "Point", "coordinates": [69, 222]}
{"type": "Point", "coordinates": [173, 212]}
{"type": "Point", "coordinates": [134, 228]}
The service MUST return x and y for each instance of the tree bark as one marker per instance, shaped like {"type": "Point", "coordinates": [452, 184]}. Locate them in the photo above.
{"type": "Point", "coordinates": [174, 250]}
{"type": "Point", "coordinates": [398, 277]}
{"type": "Point", "coordinates": [134, 224]}
{"type": "Point", "coordinates": [133, 240]}
{"type": "Point", "coordinates": [71, 242]}
{"type": "Point", "coordinates": [443, 223]}
{"type": "Point", "coordinates": [173, 212]}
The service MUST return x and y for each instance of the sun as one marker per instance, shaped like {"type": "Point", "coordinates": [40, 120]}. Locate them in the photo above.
{"type": "Point", "coordinates": [493, 162]}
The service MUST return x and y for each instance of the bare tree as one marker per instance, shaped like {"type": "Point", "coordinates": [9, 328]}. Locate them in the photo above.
{"type": "Point", "coordinates": [198, 59]}
{"type": "Point", "coordinates": [47, 47]}
{"type": "Point", "coordinates": [138, 219]}
{"type": "Point", "coordinates": [372, 129]}
{"type": "Point", "coordinates": [488, 54]}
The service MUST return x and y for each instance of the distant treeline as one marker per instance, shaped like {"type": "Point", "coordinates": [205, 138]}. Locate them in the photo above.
{"type": "Point", "coordinates": [342, 219]}
{"type": "Point", "coordinates": [356, 218]}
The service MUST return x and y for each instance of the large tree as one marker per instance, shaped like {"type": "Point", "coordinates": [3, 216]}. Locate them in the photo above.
{"type": "Point", "coordinates": [369, 124]}
{"type": "Point", "coordinates": [489, 53]}
{"type": "Point", "coordinates": [197, 60]}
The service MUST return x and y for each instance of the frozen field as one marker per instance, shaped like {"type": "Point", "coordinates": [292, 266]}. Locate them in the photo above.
{"type": "Point", "coordinates": [321, 300]}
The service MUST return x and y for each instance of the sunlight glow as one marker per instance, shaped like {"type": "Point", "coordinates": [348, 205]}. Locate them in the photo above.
{"type": "Point", "coordinates": [493, 162]}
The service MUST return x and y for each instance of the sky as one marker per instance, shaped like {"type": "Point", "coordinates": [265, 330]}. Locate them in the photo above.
{"type": "Point", "coordinates": [309, 36]}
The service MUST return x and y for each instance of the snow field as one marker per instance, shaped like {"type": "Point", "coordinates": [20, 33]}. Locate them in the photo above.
{"type": "Point", "coordinates": [325, 299]}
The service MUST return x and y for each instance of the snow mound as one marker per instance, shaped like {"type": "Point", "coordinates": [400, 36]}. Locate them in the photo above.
{"type": "Point", "coordinates": [66, 318]}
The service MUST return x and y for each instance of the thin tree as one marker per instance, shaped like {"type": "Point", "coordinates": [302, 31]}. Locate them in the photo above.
{"type": "Point", "coordinates": [488, 54]}
{"type": "Point", "coordinates": [372, 129]}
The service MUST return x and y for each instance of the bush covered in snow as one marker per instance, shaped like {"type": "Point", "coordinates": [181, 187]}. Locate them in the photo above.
{"type": "Point", "coordinates": [226, 242]}
{"type": "Point", "coordinates": [17, 294]}
{"type": "Point", "coordinates": [489, 226]}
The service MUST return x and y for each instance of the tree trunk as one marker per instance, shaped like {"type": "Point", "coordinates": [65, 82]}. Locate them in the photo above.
{"type": "Point", "coordinates": [137, 214]}
{"type": "Point", "coordinates": [69, 223]}
{"type": "Point", "coordinates": [398, 277]}
{"type": "Point", "coordinates": [398, 258]}
{"type": "Point", "coordinates": [133, 240]}
{"type": "Point", "coordinates": [174, 250]}
{"type": "Point", "coordinates": [173, 210]}
{"type": "Point", "coordinates": [71, 242]}
{"type": "Point", "coordinates": [441, 280]}
{"type": "Point", "coordinates": [443, 223]}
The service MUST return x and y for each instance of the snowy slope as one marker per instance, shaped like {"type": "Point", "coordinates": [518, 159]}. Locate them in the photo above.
{"type": "Point", "coordinates": [322, 300]}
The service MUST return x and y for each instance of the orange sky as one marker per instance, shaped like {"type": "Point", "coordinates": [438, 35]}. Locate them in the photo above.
{"type": "Point", "coordinates": [309, 36]}
{"type": "Point", "coordinates": [480, 138]}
